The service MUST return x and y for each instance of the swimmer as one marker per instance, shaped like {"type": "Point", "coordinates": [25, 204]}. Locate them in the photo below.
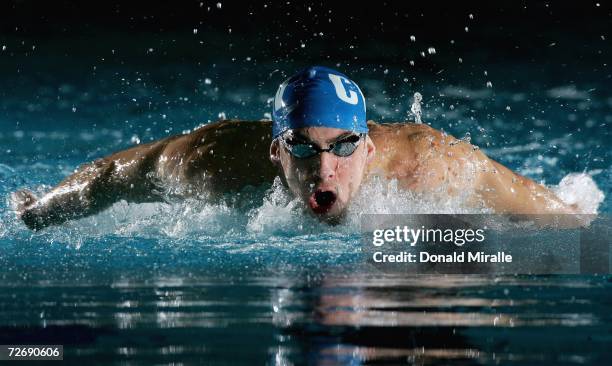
{"type": "Point", "coordinates": [319, 143]}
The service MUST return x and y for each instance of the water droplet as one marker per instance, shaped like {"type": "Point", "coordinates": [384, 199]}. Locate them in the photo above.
{"type": "Point", "coordinates": [460, 60]}
{"type": "Point", "coordinates": [411, 63]}
{"type": "Point", "coordinates": [195, 30]}
{"type": "Point", "coordinates": [471, 16]}
{"type": "Point", "coordinates": [4, 47]}
{"type": "Point", "coordinates": [386, 71]}
{"type": "Point", "coordinates": [431, 51]}
{"type": "Point", "coordinates": [222, 115]}
{"type": "Point", "coordinates": [466, 29]}
{"type": "Point", "coordinates": [303, 45]}
{"type": "Point", "coordinates": [207, 81]}
{"type": "Point", "coordinates": [507, 107]}
{"type": "Point", "coordinates": [489, 84]}
{"type": "Point", "coordinates": [135, 139]}
{"type": "Point", "coordinates": [73, 109]}
{"type": "Point", "coordinates": [219, 5]}
{"type": "Point", "coordinates": [412, 38]}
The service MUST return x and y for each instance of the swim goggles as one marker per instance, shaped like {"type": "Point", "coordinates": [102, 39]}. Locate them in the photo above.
{"type": "Point", "coordinates": [302, 149]}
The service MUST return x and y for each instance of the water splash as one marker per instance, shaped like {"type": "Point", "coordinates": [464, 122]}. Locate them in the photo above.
{"type": "Point", "coordinates": [416, 107]}
{"type": "Point", "coordinates": [580, 189]}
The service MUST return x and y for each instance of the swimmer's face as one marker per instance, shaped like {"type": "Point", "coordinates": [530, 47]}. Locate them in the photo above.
{"type": "Point", "coordinates": [325, 181]}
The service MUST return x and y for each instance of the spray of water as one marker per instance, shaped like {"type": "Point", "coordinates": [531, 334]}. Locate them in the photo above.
{"type": "Point", "coordinates": [416, 107]}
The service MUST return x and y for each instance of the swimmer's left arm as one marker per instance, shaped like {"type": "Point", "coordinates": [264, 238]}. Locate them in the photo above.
{"type": "Point", "coordinates": [443, 159]}
{"type": "Point", "coordinates": [508, 192]}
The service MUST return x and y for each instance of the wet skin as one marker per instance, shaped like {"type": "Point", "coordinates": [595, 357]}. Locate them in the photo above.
{"type": "Point", "coordinates": [229, 155]}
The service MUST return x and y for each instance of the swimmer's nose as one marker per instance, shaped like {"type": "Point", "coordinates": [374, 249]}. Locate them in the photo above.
{"type": "Point", "coordinates": [328, 164]}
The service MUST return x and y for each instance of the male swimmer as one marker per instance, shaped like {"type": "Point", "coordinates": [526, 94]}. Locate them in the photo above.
{"type": "Point", "coordinates": [319, 143]}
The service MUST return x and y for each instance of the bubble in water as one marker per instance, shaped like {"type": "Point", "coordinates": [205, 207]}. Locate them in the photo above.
{"type": "Point", "coordinates": [73, 109]}
{"type": "Point", "coordinates": [219, 5]}
{"type": "Point", "coordinates": [222, 115]}
{"type": "Point", "coordinates": [195, 30]}
{"type": "Point", "coordinates": [416, 107]}
{"type": "Point", "coordinates": [207, 81]}
{"type": "Point", "coordinates": [431, 51]}
{"type": "Point", "coordinates": [489, 84]}
{"type": "Point", "coordinates": [135, 139]}
{"type": "Point", "coordinates": [471, 16]}
{"type": "Point", "coordinates": [413, 38]}
{"type": "Point", "coordinates": [4, 47]}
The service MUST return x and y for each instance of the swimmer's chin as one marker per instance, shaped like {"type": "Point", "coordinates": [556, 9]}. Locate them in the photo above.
{"type": "Point", "coordinates": [330, 217]}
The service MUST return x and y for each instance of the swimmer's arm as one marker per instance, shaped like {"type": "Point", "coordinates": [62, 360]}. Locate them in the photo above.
{"type": "Point", "coordinates": [93, 187]}
{"type": "Point", "coordinates": [508, 192]}
{"type": "Point", "coordinates": [460, 166]}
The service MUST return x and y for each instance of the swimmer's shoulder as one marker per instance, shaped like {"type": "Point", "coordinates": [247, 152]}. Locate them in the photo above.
{"type": "Point", "coordinates": [209, 141]}
{"type": "Point", "coordinates": [411, 142]}
{"type": "Point", "coordinates": [223, 133]}
{"type": "Point", "coordinates": [235, 151]}
{"type": "Point", "coordinates": [403, 134]}
{"type": "Point", "coordinates": [399, 128]}
{"type": "Point", "coordinates": [233, 128]}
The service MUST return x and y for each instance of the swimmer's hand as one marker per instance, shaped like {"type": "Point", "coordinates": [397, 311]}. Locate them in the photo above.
{"type": "Point", "coordinates": [21, 201]}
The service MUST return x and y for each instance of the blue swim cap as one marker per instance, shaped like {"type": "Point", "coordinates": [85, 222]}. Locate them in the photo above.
{"type": "Point", "coordinates": [319, 97]}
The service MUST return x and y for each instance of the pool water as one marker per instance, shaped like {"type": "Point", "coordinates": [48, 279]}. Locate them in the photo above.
{"type": "Point", "coordinates": [254, 279]}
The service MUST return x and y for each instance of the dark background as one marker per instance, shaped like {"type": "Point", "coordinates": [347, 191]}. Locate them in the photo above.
{"type": "Point", "coordinates": [575, 34]}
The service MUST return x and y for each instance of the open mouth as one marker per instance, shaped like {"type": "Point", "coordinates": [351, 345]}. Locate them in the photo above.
{"type": "Point", "coordinates": [322, 201]}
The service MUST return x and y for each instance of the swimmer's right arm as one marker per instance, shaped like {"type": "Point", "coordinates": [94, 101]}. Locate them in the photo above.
{"type": "Point", "coordinates": [93, 187]}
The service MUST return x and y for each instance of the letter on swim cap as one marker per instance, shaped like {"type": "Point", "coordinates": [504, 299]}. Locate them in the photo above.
{"type": "Point", "coordinates": [340, 91]}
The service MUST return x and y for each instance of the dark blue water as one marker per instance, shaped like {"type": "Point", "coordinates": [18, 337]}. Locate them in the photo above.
{"type": "Point", "coordinates": [255, 280]}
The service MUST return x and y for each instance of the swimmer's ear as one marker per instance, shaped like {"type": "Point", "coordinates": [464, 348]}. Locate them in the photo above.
{"type": "Point", "coordinates": [275, 152]}
{"type": "Point", "coordinates": [370, 149]}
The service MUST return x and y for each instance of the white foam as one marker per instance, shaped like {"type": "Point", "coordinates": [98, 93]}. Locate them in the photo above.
{"type": "Point", "coordinates": [580, 189]}
{"type": "Point", "coordinates": [273, 215]}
